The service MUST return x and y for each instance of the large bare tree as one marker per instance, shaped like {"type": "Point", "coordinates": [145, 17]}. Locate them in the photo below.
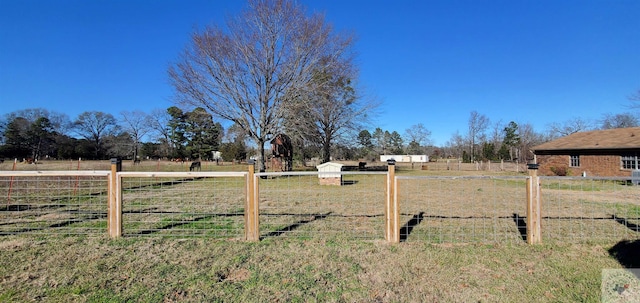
{"type": "Point", "coordinates": [95, 127]}
{"type": "Point", "coordinates": [249, 69]}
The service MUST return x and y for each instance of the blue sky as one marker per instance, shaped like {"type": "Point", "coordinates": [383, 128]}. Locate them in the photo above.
{"type": "Point", "coordinates": [429, 62]}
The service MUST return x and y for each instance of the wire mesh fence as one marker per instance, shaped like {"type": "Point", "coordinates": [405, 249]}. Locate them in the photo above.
{"type": "Point", "coordinates": [295, 204]}
{"type": "Point", "coordinates": [433, 209]}
{"type": "Point", "coordinates": [478, 166]}
{"type": "Point", "coordinates": [201, 204]}
{"type": "Point", "coordinates": [80, 165]}
{"type": "Point", "coordinates": [583, 209]}
{"type": "Point", "coordinates": [53, 203]}
{"type": "Point", "coordinates": [462, 209]}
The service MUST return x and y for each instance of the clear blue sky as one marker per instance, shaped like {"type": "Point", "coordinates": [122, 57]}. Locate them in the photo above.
{"type": "Point", "coordinates": [430, 62]}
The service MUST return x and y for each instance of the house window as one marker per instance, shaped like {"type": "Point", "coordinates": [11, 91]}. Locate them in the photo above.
{"type": "Point", "coordinates": [575, 161]}
{"type": "Point", "coordinates": [630, 161]}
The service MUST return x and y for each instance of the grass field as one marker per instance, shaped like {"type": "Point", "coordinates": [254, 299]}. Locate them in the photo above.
{"type": "Point", "coordinates": [462, 239]}
{"type": "Point", "coordinates": [96, 269]}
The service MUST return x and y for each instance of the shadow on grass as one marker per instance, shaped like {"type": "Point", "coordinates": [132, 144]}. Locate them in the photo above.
{"type": "Point", "coordinates": [625, 222]}
{"type": "Point", "coordinates": [295, 226]}
{"type": "Point", "coordinates": [55, 225]}
{"type": "Point", "coordinates": [17, 207]}
{"type": "Point", "coordinates": [186, 222]}
{"type": "Point", "coordinates": [84, 217]}
{"type": "Point", "coordinates": [349, 182]}
{"type": "Point", "coordinates": [26, 207]}
{"type": "Point", "coordinates": [406, 229]}
{"type": "Point", "coordinates": [626, 252]}
{"type": "Point", "coordinates": [521, 224]}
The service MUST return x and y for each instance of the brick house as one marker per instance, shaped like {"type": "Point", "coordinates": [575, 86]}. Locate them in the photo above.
{"type": "Point", "coordinates": [601, 153]}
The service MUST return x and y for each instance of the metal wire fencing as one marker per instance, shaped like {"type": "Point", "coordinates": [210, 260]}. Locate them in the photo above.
{"type": "Point", "coordinates": [462, 209]}
{"type": "Point", "coordinates": [53, 202]}
{"type": "Point", "coordinates": [433, 209]}
{"type": "Point", "coordinates": [167, 204]}
{"type": "Point", "coordinates": [583, 209]}
{"type": "Point", "coordinates": [295, 204]}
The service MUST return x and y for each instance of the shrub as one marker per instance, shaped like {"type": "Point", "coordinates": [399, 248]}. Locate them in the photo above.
{"type": "Point", "coordinates": [560, 171]}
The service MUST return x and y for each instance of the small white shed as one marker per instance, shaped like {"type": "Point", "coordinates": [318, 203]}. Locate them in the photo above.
{"type": "Point", "coordinates": [329, 173]}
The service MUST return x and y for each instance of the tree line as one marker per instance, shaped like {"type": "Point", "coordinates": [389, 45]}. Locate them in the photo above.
{"type": "Point", "coordinates": [491, 141]}
{"type": "Point", "coordinates": [38, 134]}
{"type": "Point", "coordinates": [174, 133]}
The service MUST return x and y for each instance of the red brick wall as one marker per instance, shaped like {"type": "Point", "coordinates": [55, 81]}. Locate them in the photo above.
{"type": "Point", "coordinates": [593, 165]}
{"type": "Point", "coordinates": [548, 162]}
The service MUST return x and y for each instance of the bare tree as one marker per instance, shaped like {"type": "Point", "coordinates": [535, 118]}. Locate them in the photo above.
{"type": "Point", "coordinates": [569, 127]}
{"type": "Point", "coordinates": [159, 129]}
{"type": "Point", "coordinates": [234, 133]}
{"type": "Point", "coordinates": [455, 145]}
{"type": "Point", "coordinates": [137, 124]}
{"type": "Point", "coordinates": [478, 124]}
{"type": "Point", "coordinates": [248, 70]}
{"type": "Point", "coordinates": [158, 124]}
{"type": "Point", "coordinates": [419, 134]}
{"type": "Point", "coordinates": [60, 122]}
{"type": "Point", "coordinates": [528, 138]}
{"type": "Point", "coordinates": [95, 127]}
{"type": "Point", "coordinates": [619, 121]}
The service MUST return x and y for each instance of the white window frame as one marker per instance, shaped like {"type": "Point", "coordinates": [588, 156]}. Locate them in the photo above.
{"type": "Point", "coordinates": [574, 160]}
{"type": "Point", "coordinates": [630, 161]}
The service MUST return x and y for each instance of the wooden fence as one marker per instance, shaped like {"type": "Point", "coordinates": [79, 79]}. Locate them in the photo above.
{"type": "Point", "coordinates": [402, 196]}
{"type": "Point", "coordinates": [251, 213]}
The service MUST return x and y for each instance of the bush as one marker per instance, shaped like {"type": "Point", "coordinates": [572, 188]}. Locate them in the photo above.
{"type": "Point", "coordinates": [560, 171]}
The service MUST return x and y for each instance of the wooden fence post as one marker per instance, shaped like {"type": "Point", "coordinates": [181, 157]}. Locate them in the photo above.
{"type": "Point", "coordinates": [251, 214]}
{"type": "Point", "coordinates": [392, 211]}
{"type": "Point", "coordinates": [534, 233]}
{"type": "Point", "coordinates": [114, 209]}
{"type": "Point", "coordinates": [11, 183]}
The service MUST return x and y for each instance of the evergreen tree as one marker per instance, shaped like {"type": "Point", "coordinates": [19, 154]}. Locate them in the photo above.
{"type": "Point", "coordinates": [396, 143]}
{"type": "Point", "coordinates": [511, 138]}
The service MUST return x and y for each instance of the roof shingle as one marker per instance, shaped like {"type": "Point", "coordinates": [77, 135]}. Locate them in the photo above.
{"type": "Point", "coordinates": [618, 138]}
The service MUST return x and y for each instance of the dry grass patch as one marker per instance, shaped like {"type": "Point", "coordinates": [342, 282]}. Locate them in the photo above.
{"type": "Point", "coordinates": [95, 269]}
